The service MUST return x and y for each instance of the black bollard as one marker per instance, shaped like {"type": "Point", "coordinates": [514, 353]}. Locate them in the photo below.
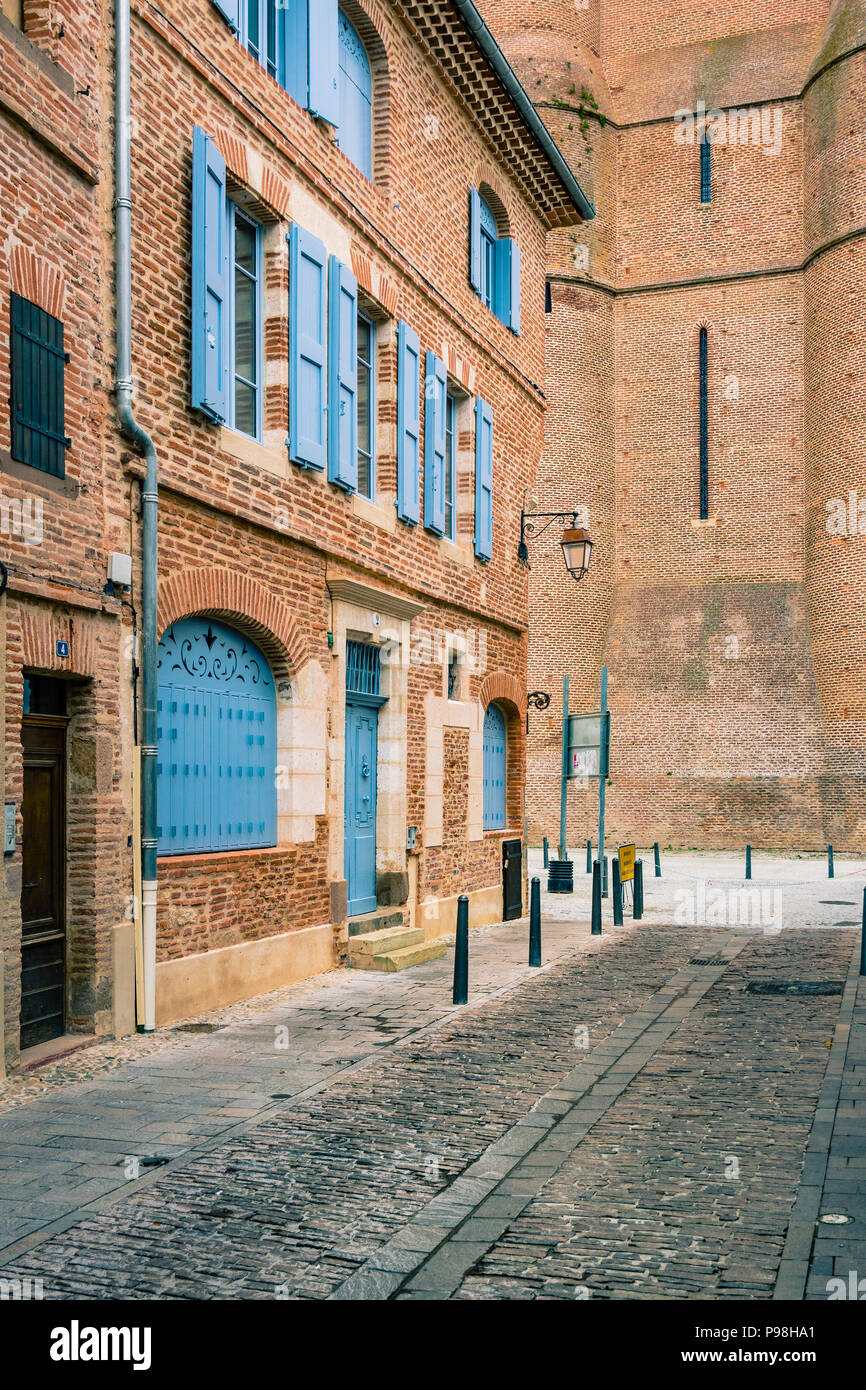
{"type": "Point", "coordinates": [863, 938]}
{"type": "Point", "coordinates": [535, 922]}
{"type": "Point", "coordinates": [546, 853]}
{"type": "Point", "coordinates": [637, 911]}
{"type": "Point", "coordinates": [657, 859]}
{"type": "Point", "coordinates": [596, 899]}
{"type": "Point", "coordinates": [589, 856]}
{"type": "Point", "coordinates": [461, 952]}
{"type": "Point", "coordinates": [748, 861]}
{"type": "Point", "coordinates": [617, 893]}
{"type": "Point", "coordinates": [830, 865]}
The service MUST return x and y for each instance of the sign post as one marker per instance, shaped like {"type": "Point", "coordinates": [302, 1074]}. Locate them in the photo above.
{"type": "Point", "coordinates": [563, 799]}
{"type": "Point", "coordinates": [602, 785]}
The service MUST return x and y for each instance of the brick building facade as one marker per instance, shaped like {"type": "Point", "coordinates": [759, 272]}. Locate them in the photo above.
{"type": "Point", "coordinates": [731, 615]}
{"type": "Point", "coordinates": [342, 618]}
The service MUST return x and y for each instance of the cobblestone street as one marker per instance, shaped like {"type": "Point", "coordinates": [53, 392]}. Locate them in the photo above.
{"type": "Point", "coordinates": [637, 1119]}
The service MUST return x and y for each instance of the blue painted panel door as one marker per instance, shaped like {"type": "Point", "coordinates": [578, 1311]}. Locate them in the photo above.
{"type": "Point", "coordinates": [495, 759]}
{"type": "Point", "coordinates": [362, 729]}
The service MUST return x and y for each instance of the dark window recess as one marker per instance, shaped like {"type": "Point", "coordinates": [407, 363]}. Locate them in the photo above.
{"type": "Point", "coordinates": [704, 422]}
{"type": "Point", "coordinates": [453, 677]}
{"type": "Point", "coordinates": [44, 695]}
{"type": "Point", "coordinates": [36, 402]}
{"type": "Point", "coordinates": [548, 298]}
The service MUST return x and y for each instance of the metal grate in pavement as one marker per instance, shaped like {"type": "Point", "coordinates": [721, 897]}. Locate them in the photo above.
{"type": "Point", "coordinates": [795, 987]}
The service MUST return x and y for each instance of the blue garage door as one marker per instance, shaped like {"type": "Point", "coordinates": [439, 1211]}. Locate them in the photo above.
{"type": "Point", "coordinates": [217, 731]}
{"type": "Point", "coordinates": [495, 758]}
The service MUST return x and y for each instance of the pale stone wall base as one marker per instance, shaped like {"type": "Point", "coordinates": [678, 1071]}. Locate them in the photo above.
{"type": "Point", "coordinates": [212, 979]}
{"type": "Point", "coordinates": [438, 916]}
{"type": "Point", "coordinates": [123, 979]}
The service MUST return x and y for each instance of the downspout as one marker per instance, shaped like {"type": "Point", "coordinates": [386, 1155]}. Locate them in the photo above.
{"type": "Point", "coordinates": [138, 436]}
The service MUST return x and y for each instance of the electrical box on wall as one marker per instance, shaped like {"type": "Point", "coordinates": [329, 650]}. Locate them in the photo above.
{"type": "Point", "coordinates": [9, 828]}
{"type": "Point", "coordinates": [120, 570]}
{"type": "Point", "coordinates": [411, 836]}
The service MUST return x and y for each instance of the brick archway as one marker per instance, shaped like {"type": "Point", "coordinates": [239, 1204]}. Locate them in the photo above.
{"type": "Point", "coordinates": [241, 601]}
{"type": "Point", "coordinates": [499, 685]}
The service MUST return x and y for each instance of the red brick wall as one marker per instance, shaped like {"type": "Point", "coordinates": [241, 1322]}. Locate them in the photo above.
{"type": "Point", "coordinates": [737, 704]}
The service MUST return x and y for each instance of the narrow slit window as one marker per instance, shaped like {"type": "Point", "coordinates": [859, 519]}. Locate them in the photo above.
{"type": "Point", "coordinates": [706, 169]}
{"type": "Point", "coordinates": [704, 424]}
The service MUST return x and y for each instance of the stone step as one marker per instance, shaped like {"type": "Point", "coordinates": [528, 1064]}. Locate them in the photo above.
{"type": "Point", "coordinates": [381, 921]}
{"type": "Point", "coordinates": [375, 942]}
{"type": "Point", "coordinates": [400, 959]}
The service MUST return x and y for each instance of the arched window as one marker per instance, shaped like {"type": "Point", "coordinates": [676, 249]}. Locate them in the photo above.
{"type": "Point", "coordinates": [704, 425]}
{"type": "Point", "coordinates": [217, 733]}
{"type": "Point", "coordinates": [495, 761]}
{"type": "Point", "coordinates": [355, 136]}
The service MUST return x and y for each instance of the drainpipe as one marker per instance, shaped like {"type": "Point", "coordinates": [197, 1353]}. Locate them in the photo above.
{"type": "Point", "coordinates": [139, 437]}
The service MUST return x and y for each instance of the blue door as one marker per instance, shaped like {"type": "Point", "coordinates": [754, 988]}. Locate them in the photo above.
{"type": "Point", "coordinates": [362, 729]}
{"type": "Point", "coordinates": [495, 761]}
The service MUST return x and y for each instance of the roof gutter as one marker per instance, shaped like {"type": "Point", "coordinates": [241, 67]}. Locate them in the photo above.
{"type": "Point", "coordinates": [497, 60]}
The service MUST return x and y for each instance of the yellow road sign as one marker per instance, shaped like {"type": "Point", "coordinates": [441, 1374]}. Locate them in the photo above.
{"type": "Point", "coordinates": [626, 854]}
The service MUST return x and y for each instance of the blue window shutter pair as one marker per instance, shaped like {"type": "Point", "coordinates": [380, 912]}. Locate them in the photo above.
{"type": "Point", "coordinates": [507, 302]}
{"type": "Point", "coordinates": [483, 480]}
{"type": "Point", "coordinates": [209, 279]}
{"type": "Point", "coordinates": [435, 406]}
{"type": "Point", "coordinates": [475, 240]}
{"type": "Point", "coordinates": [307, 365]}
{"type": "Point", "coordinates": [343, 377]}
{"type": "Point", "coordinates": [408, 424]}
{"type": "Point", "coordinates": [310, 66]}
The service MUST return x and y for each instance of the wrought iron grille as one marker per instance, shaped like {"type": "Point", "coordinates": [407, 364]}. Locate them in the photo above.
{"type": "Point", "coordinates": [363, 669]}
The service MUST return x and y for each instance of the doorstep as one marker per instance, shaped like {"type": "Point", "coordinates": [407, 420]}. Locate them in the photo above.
{"type": "Point", "coordinates": [54, 1048]}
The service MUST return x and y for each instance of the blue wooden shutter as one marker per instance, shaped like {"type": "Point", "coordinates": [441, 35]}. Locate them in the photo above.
{"type": "Point", "coordinates": [706, 170]}
{"type": "Point", "coordinates": [324, 57]}
{"type": "Point", "coordinates": [475, 240]}
{"type": "Point", "coordinates": [495, 765]}
{"type": "Point", "coordinates": [483, 480]}
{"type": "Point", "coordinates": [343, 377]}
{"type": "Point", "coordinates": [217, 741]}
{"type": "Point", "coordinates": [356, 99]}
{"type": "Point", "coordinates": [506, 303]}
{"type": "Point", "coordinates": [307, 368]}
{"type": "Point", "coordinates": [209, 278]}
{"type": "Point", "coordinates": [37, 403]}
{"type": "Point", "coordinates": [435, 388]}
{"type": "Point", "coordinates": [230, 11]}
{"type": "Point", "coordinates": [408, 423]}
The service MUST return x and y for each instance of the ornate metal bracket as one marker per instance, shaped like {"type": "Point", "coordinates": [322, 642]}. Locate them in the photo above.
{"type": "Point", "coordinates": [539, 699]}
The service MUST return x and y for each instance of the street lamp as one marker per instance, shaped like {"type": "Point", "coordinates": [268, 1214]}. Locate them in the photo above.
{"type": "Point", "coordinates": [576, 544]}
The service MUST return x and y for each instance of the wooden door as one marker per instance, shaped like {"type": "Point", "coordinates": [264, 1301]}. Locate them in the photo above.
{"type": "Point", "coordinates": [43, 883]}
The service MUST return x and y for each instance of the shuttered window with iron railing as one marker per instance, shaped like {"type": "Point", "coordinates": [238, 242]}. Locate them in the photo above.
{"type": "Point", "coordinates": [363, 670]}
{"type": "Point", "coordinates": [37, 396]}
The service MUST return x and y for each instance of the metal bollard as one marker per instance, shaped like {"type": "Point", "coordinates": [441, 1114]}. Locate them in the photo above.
{"type": "Point", "coordinates": [535, 922]}
{"type": "Point", "coordinates": [863, 938]}
{"type": "Point", "coordinates": [604, 877]}
{"type": "Point", "coordinates": [596, 899]}
{"type": "Point", "coordinates": [589, 856]}
{"type": "Point", "coordinates": [658, 861]}
{"type": "Point", "coordinates": [637, 911]}
{"type": "Point", "coordinates": [461, 953]}
{"type": "Point", "coordinates": [748, 861]}
{"type": "Point", "coordinates": [546, 849]}
{"type": "Point", "coordinates": [830, 866]}
{"type": "Point", "coordinates": [617, 893]}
